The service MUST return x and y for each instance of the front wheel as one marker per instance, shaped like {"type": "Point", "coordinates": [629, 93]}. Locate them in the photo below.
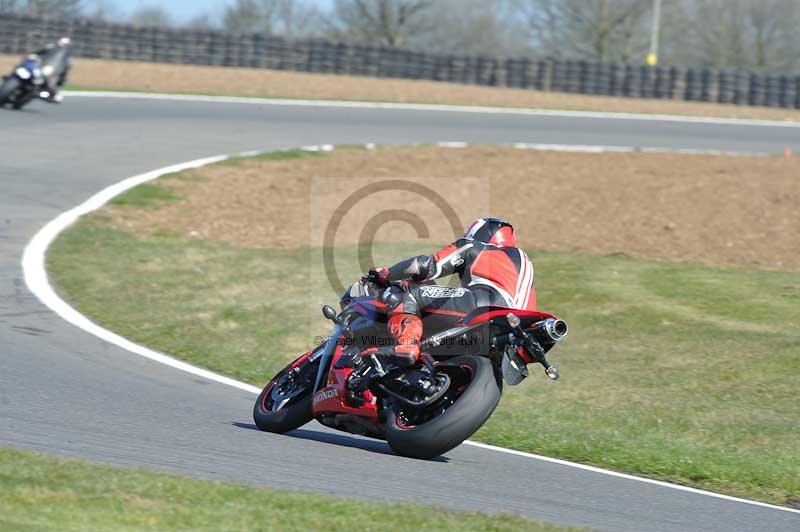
{"type": "Point", "coordinates": [22, 100]}
{"type": "Point", "coordinates": [7, 89]}
{"type": "Point", "coordinates": [285, 403]}
{"type": "Point", "coordinates": [427, 432]}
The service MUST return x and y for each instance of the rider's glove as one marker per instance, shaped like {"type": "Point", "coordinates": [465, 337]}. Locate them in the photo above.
{"type": "Point", "coordinates": [379, 276]}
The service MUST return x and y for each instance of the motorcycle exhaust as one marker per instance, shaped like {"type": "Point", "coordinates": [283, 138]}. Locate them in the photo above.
{"type": "Point", "coordinates": [550, 331]}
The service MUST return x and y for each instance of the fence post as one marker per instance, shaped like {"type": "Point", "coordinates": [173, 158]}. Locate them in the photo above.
{"type": "Point", "coordinates": [755, 95]}
{"type": "Point", "coordinates": [629, 82]}
{"type": "Point", "coordinates": [646, 82]}
{"type": "Point", "coordinates": [705, 85]}
{"type": "Point", "coordinates": [772, 92]}
{"type": "Point", "coordinates": [542, 82]}
{"type": "Point", "coordinates": [600, 80]}
{"type": "Point", "coordinates": [724, 87]}
{"type": "Point", "coordinates": [692, 85]}
{"type": "Point", "coordinates": [797, 92]}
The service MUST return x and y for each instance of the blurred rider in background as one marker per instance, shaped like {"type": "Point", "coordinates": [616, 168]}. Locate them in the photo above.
{"type": "Point", "coordinates": [55, 61]}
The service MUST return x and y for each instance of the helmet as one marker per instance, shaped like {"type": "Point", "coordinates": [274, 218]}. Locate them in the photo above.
{"type": "Point", "coordinates": [492, 231]}
{"type": "Point", "coordinates": [64, 41]}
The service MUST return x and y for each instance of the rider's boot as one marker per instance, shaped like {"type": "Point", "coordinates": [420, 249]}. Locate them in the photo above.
{"type": "Point", "coordinates": [406, 329]}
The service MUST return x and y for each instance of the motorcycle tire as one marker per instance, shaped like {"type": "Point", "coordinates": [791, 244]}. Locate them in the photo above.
{"type": "Point", "coordinates": [22, 101]}
{"type": "Point", "coordinates": [296, 413]}
{"type": "Point", "coordinates": [7, 89]}
{"type": "Point", "coordinates": [466, 413]}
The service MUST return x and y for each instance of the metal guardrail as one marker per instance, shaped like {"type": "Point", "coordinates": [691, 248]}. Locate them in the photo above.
{"type": "Point", "coordinates": [100, 40]}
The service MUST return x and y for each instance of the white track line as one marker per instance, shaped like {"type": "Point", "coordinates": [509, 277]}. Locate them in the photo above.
{"type": "Point", "coordinates": [35, 272]}
{"type": "Point", "coordinates": [582, 148]}
{"type": "Point", "coordinates": [33, 267]}
{"type": "Point", "coordinates": [437, 107]}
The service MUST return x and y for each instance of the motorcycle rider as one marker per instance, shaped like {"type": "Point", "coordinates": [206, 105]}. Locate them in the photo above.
{"type": "Point", "coordinates": [492, 271]}
{"type": "Point", "coordinates": [57, 56]}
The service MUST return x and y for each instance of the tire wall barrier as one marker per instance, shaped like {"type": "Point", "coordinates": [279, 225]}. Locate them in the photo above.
{"type": "Point", "coordinates": [102, 40]}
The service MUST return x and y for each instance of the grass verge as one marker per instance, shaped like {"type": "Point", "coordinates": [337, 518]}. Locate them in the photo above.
{"type": "Point", "coordinates": [40, 493]}
{"type": "Point", "coordinates": [675, 371]}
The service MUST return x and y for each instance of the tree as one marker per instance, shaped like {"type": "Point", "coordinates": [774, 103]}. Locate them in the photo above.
{"type": "Point", "coordinates": [599, 30]}
{"type": "Point", "coordinates": [9, 6]}
{"type": "Point", "coordinates": [202, 21]}
{"type": "Point", "coordinates": [51, 8]}
{"type": "Point", "coordinates": [392, 22]}
{"type": "Point", "coordinates": [151, 16]}
{"type": "Point", "coordinates": [758, 35]}
{"type": "Point", "coordinates": [479, 27]}
{"type": "Point", "coordinates": [293, 18]}
{"type": "Point", "coordinates": [103, 10]}
{"type": "Point", "coordinates": [244, 16]}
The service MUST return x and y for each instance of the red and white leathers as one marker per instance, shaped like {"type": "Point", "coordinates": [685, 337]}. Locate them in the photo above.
{"type": "Point", "coordinates": [489, 274]}
{"type": "Point", "coordinates": [496, 275]}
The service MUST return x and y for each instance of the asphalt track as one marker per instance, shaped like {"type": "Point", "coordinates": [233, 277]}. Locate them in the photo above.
{"type": "Point", "coordinates": [70, 394]}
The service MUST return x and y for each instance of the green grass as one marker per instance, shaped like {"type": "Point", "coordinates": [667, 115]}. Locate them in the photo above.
{"type": "Point", "coordinates": [277, 155]}
{"type": "Point", "coordinates": [145, 195]}
{"type": "Point", "coordinates": [39, 493]}
{"type": "Point", "coordinates": [674, 371]}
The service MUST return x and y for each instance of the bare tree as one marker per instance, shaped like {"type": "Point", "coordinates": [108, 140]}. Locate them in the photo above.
{"type": "Point", "coordinates": [244, 16]}
{"type": "Point", "coordinates": [392, 22]}
{"type": "Point", "coordinates": [600, 30]}
{"type": "Point", "coordinates": [101, 10]}
{"type": "Point", "coordinates": [759, 35]}
{"type": "Point", "coordinates": [203, 21]}
{"type": "Point", "coordinates": [52, 8]}
{"type": "Point", "coordinates": [151, 16]}
{"type": "Point", "coordinates": [480, 27]}
{"type": "Point", "coordinates": [10, 6]}
{"type": "Point", "coordinates": [296, 18]}
{"type": "Point", "coordinates": [282, 17]}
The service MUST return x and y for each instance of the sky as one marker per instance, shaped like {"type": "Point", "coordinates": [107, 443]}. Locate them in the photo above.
{"type": "Point", "coordinates": [182, 10]}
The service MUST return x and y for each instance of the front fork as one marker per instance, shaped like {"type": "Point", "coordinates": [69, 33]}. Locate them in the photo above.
{"type": "Point", "coordinates": [326, 356]}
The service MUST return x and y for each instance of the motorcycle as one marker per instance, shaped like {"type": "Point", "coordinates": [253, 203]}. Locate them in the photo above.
{"type": "Point", "coordinates": [23, 84]}
{"type": "Point", "coordinates": [424, 410]}
{"type": "Point", "coordinates": [29, 79]}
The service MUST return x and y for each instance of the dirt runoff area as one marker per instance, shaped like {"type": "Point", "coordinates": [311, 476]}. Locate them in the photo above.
{"type": "Point", "coordinates": [229, 81]}
{"type": "Point", "coordinates": [712, 209]}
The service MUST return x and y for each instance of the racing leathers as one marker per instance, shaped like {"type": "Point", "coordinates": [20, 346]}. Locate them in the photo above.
{"type": "Point", "coordinates": [58, 58]}
{"type": "Point", "coordinates": [489, 275]}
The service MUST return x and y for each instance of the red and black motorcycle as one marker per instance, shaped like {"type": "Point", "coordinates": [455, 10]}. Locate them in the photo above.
{"type": "Point", "coordinates": [424, 410]}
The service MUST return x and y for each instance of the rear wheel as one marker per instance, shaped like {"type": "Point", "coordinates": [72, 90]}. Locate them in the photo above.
{"type": "Point", "coordinates": [430, 431]}
{"type": "Point", "coordinates": [285, 403]}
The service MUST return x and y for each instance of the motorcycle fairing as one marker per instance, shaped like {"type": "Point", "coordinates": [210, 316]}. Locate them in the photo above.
{"type": "Point", "coordinates": [330, 390]}
{"type": "Point", "coordinates": [330, 393]}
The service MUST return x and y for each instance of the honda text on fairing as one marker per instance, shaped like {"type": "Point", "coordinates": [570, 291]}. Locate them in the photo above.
{"type": "Point", "coordinates": [422, 410]}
